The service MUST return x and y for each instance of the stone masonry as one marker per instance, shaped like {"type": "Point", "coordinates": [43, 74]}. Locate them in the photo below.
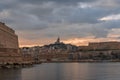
{"type": "Point", "coordinates": [8, 46]}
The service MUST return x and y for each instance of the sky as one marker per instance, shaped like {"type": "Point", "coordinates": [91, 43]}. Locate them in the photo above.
{"type": "Point", "coordinates": [40, 22]}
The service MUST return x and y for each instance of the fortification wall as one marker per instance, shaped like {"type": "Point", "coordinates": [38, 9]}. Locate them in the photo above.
{"type": "Point", "coordinates": [9, 46]}
{"type": "Point", "coordinates": [8, 38]}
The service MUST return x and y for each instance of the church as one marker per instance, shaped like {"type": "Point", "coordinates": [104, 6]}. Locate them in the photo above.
{"type": "Point", "coordinates": [60, 45]}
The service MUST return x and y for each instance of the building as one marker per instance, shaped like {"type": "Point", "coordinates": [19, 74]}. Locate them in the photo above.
{"type": "Point", "coordinates": [58, 51]}
{"type": "Point", "coordinates": [101, 50]}
{"type": "Point", "coordinates": [9, 52]}
{"type": "Point", "coordinates": [102, 46]}
{"type": "Point", "coordinates": [113, 45]}
{"type": "Point", "coordinates": [8, 38]}
{"type": "Point", "coordinates": [27, 54]}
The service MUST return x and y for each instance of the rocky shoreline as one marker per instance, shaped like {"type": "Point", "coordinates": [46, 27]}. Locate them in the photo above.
{"type": "Point", "coordinates": [82, 61]}
{"type": "Point", "coordinates": [14, 66]}
{"type": "Point", "coordinates": [24, 65]}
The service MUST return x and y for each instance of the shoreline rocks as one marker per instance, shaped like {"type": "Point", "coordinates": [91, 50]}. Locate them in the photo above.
{"type": "Point", "coordinates": [14, 66]}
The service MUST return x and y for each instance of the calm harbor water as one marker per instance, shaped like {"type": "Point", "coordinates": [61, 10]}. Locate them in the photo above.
{"type": "Point", "coordinates": [64, 71]}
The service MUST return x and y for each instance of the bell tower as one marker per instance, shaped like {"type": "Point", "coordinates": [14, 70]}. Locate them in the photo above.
{"type": "Point", "coordinates": [58, 40]}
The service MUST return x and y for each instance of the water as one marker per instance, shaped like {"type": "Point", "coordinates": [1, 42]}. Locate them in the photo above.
{"type": "Point", "coordinates": [64, 71]}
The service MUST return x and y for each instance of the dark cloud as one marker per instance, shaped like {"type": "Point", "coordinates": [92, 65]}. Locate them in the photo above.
{"type": "Point", "coordinates": [57, 1]}
{"type": "Point", "coordinates": [66, 18]}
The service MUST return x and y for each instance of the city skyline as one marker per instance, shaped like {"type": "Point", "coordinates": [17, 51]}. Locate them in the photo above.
{"type": "Point", "coordinates": [78, 22]}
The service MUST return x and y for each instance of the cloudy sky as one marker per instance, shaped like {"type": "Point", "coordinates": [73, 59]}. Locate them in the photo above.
{"type": "Point", "coordinates": [39, 22]}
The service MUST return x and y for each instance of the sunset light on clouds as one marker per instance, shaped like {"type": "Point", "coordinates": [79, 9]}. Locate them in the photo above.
{"type": "Point", "coordinates": [40, 22]}
{"type": "Point", "coordinates": [111, 17]}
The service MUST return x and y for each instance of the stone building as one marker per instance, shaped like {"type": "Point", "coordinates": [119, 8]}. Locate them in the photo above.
{"type": "Point", "coordinates": [105, 45]}
{"type": "Point", "coordinates": [9, 52]}
{"type": "Point", "coordinates": [102, 46]}
{"type": "Point", "coordinates": [27, 54]}
{"type": "Point", "coordinates": [8, 38]}
{"type": "Point", "coordinates": [58, 51]}
{"type": "Point", "coordinates": [101, 50]}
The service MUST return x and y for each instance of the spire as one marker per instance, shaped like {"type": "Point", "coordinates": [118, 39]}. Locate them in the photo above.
{"type": "Point", "coordinates": [58, 40]}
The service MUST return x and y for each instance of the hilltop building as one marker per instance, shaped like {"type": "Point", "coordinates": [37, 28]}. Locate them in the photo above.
{"type": "Point", "coordinates": [57, 51]}
{"type": "Point", "coordinates": [60, 45]}
{"type": "Point", "coordinates": [58, 41]}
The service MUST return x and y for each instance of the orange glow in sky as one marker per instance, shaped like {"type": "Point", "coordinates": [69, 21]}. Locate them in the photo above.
{"type": "Point", "coordinates": [75, 41]}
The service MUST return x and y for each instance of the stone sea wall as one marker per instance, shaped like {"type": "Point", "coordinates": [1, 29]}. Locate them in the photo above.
{"type": "Point", "coordinates": [9, 47]}
{"type": "Point", "coordinates": [8, 38]}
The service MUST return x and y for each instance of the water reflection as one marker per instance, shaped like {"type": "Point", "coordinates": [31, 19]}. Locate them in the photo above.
{"type": "Point", "coordinates": [64, 71]}
{"type": "Point", "coordinates": [73, 71]}
{"type": "Point", "coordinates": [10, 74]}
